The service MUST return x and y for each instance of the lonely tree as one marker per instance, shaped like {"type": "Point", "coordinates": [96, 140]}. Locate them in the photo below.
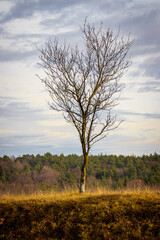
{"type": "Point", "coordinates": [84, 84]}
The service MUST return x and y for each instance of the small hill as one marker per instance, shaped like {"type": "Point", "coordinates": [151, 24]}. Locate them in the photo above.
{"type": "Point", "coordinates": [103, 215]}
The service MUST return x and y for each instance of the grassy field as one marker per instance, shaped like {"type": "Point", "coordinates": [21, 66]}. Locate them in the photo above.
{"type": "Point", "coordinates": [94, 215]}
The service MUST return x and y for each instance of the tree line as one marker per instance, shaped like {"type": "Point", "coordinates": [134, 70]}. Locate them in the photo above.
{"type": "Point", "coordinates": [30, 173]}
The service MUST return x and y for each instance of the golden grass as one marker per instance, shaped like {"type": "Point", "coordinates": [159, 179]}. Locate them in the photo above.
{"type": "Point", "coordinates": [69, 194]}
{"type": "Point", "coordinates": [98, 214]}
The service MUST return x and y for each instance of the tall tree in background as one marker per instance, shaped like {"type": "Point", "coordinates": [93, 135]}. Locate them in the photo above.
{"type": "Point", "coordinates": [85, 84]}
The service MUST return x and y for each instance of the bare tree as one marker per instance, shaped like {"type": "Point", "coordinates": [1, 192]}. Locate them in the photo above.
{"type": "Point", "coordinates": [85, 84]}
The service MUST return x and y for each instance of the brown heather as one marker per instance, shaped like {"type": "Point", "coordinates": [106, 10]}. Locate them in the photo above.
{"type": "Point", "coordinates": [100, 214]}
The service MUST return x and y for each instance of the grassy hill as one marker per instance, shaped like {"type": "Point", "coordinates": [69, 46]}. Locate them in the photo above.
{"type": "Point", "coordinates": [98, 215]}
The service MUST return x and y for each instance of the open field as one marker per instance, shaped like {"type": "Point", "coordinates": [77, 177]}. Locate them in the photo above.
{"type": "Point", "coordinates": [94, 215]}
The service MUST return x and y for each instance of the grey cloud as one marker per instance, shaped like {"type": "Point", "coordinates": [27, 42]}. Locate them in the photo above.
{"type": "Point", "coordinates": [113, 7]}
{"type": "Point", "coordinates": [57, 22]}
{"type": "Point", "coordinates": [148, 89]}
{"type": "Point", "coordinates": [23, 9]}
{"type": "Point", "coordinates": [7, 148]}
{"type": "Point", "coordinates": [140, 19]}
{"type": "Point", "coordinates": [143, 24]}
{"type": "Point", "coordinates": [118, 144]}
{"type": "Point", "coordinates": [153, 86]}
{"type": "Point", "coordinates": [152, 67]}
{"type": "Point", "coordinates": [124, 99]}
{"type": "Point", "coordinates": [150, 85]}
{"type": "Point", "coordinates": [145, 27]}
{"type": "Point", "coordinates": [12, 108]}
{"type": "Point", "coordinates": [127, 145]}
{"type": "Point", "coordinates": [13, 148]}
{"type": "Point", "coordinates": [145, 115]}
{"type": "Point", "coordinates": [19, 117]}
{"type": "Point", "coordinates": [9, 55]}
{"type": "Point", "coordinates": [7, 98]}
{"type": "Point", "coordinates": [16, 109]}
{"type": "Point", "coordinates": [20, 139]}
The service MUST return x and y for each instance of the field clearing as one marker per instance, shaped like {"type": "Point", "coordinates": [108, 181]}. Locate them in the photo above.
{"type": "Point", "coordinates": [99, 214]}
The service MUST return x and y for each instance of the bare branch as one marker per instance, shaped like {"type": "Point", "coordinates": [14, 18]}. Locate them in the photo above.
{"type": "Point", "coordinates": [85, 85]}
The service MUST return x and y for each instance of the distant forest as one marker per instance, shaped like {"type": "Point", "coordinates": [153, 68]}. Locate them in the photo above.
{"type": "Point", "coordinates": [29, 173]}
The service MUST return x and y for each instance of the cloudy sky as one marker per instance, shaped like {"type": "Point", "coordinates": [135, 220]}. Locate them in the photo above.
{"type": "Point", "coordinates": [27, 125]}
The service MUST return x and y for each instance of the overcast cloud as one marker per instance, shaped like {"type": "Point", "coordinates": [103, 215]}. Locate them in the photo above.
{"type": "Point", "coordinates": [26, 123]}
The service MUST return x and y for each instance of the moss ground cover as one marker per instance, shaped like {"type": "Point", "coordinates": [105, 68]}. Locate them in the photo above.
{"type": "Point", "coordinates": [103, 215]}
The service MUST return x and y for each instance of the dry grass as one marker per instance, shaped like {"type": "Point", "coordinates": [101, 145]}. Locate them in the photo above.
{"type": "Point", "coordinates": [97, 214]}
{"type": "Point", "coordinates": [68, 194]}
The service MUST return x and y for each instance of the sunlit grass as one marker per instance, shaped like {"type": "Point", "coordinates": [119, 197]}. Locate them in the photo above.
{"type": "Point", "coordinates": [68, 194]}
{"type": "Point", "coordinates": [100, 213]}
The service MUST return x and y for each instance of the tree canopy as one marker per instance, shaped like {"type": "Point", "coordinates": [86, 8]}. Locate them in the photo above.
{"type": "Point", "coordinates": [85, 84]}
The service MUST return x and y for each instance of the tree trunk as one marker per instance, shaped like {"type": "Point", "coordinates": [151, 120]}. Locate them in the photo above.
{"type": "Point", "coordinates": [83, 175]}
